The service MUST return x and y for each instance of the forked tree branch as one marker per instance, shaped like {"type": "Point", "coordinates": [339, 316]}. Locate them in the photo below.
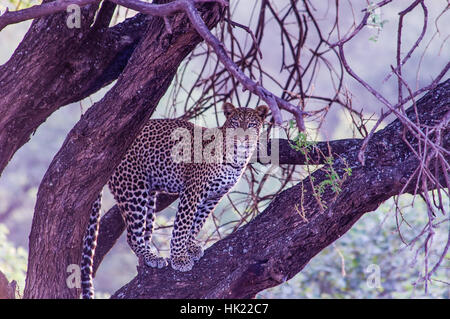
{"type": "Point", "coordinates": [71, 76]}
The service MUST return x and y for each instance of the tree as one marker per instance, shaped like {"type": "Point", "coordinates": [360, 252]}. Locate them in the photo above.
{"type": "Point", "coordinates": [55, 65]}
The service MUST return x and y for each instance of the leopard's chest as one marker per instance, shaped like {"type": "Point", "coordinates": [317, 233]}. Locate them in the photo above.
{"type": "Point", "coordinates": [224, 182]}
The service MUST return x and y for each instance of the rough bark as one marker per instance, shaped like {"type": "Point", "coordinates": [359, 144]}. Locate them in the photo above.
{"type": "Point", "coordinates": [95, 146]}
{"type": "Point", "coordinates": [54, 66]}
{"type": "Point", "coordinates": [280, 241]}
{"type": "Point", "coordinates": [7, 289]}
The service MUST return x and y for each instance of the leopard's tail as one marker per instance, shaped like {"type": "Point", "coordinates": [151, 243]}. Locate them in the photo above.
{"type": "Point", "coordinates": [89, 244]}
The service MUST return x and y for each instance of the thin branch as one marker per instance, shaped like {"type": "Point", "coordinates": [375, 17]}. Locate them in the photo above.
{"type": "Point", "coordinates": [275, 103]}
{"type": "Point", "coordinates": [45, 9]}
{"type": "Point", "coordinates": [419, 39]}
{"type": "Point", "coordinates": [249, 31]}
{"type": "Point", "coordinates": [162, 10]}
{"type": "Point", "coordinates": [361, 25]}
{"type": "Point", "coordinates": [38, 11]}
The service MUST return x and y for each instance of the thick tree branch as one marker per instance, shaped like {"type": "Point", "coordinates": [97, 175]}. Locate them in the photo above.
{"type": "Point", "coordinates": [280, 241]}
{"type": "Point", "coordinates": [77, 63]}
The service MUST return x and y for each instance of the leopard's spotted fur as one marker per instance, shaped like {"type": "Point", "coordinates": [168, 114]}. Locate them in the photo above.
{"type": "Point", "coordinates": [149, 168]}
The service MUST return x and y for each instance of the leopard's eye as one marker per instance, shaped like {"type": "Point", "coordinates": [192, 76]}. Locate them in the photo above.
{"type": "Point", "coordinates": [252, 125]}
{"type": "Point", "coordinates": [234, 122]}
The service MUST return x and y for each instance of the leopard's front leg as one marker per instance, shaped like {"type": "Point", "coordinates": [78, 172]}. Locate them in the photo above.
{"type": "Point", "coordinates": [204, 209]}
{"type": "Point", "coordinates": [180, 258]}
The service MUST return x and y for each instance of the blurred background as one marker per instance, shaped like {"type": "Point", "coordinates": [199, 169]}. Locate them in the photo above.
{"type": "Point", "coordinates": [378, 243]}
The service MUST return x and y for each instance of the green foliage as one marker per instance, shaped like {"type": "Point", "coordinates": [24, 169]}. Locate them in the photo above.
{"type": "Point", "coordinates": [375, 20]}
{"type": "Point", "coordinates": [334, 181]}
{"type": "Point", "coordinates": [13, 260]}
{"type": "Point", "coordinates": [301, 144]}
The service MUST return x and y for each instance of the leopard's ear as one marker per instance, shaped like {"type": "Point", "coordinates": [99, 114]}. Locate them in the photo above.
{"type": "Point", "coordinates": [262, 111]}
{"type": "Point", "coordinates": [228, 109]}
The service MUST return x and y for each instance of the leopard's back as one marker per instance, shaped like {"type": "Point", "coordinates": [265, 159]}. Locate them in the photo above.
{"type": "Point", "coordinates": [149, 160]}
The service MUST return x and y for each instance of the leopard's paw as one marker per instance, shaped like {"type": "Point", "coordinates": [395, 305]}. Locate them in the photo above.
{"type": "Point", "coordinates": [182, 263]}
{"type": "Point", "coordinates": [155, 261]}
{"type": "Point", "coordinates": [195, 251]}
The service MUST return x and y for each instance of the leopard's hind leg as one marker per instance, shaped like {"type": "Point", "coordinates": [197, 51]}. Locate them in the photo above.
{"type": "Point", "coordinates": [153, 261]}
{"type": "Point", "coordinates": [136, 214]}
{"type": "Point", "coordinates": [137, 204]}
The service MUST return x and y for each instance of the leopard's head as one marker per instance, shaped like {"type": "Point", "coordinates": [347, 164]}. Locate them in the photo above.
{"type": "Point", "coordinates": [244, 117]}
{"type": "Point", "coordinates": [242, 127]}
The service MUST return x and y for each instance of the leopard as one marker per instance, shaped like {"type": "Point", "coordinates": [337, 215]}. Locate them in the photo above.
{"type": "Point", "coordinates": [164, 158]}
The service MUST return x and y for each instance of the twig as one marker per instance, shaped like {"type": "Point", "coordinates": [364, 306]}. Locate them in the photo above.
{"type": "Point", "coordinates": [419, 39]}
{"type": "Point", "coordinates": [361, 25]}
{"type": "Point", "coordinates": [247, 29]}
{"type": "Point", "coordinates": [274, 102]}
